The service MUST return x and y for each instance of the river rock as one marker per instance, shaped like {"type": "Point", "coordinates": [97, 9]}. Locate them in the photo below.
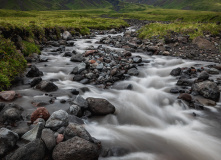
{"type": "Point", "coordinates": [34, 72]}
{"type": "Point", "coordinates": [203, 76]}
{"type": "Point", "coordinates": [40, 112]}
{"type": "Point", "coordinates": [57, 120]}
{"type": "Point", "coordinates": [36, 81]}
{"type": "Point", "coordinates": [75, 110]}
{"type": "Point", "coordinates": [34, 133]}
{"type": "Point", "coordinates": [34, 150]}
{"type": "Point", "coordinates": [67, 54]}
{"type": "Point", "coordinates": [80, 101]}
{"type": "Point", "coordinates": [77, 58]}
{"type": "Point", "coordinates": [47, 86]}
{"type": "Point", "coordinates": [212, 70]}
{"type": "Point", "coordinates": [99, 106]}
{"type": "Point", "coordinates": [66, 35]}
{"type": "Point", "coordinates": [8, 95]}
{"type": "Point", "coordinates": [74, 129]}
{"type": "Point", "coordinates": [133, 72]}
{"type": "Point", "coordinates": [176, 72]}
{"type": "Point", "coordinates": [48, 137]}
{"type": "Point", "coordinates": [207, 89]}
{"type": "Point", "coordinates": [8, 140]}
{"type": "Point", "coordinates": [2, 105]}
{"type": "Point", "coordinates": [78, 148]}
{"type": "Point", "coordinates": [137, 59]}
{"type": "Point", "coordinates": [12, 113]}
{"type": "Point", "coordinates": [78, 77]}
{"type": "Point", "coordinates": [185, 96]}
{"type": "Point", "coordinates": [81, 67]}
{"type": "Point", "coordinates": [184, 82]}
{"type": "Point", "coordinates": [59, 138]}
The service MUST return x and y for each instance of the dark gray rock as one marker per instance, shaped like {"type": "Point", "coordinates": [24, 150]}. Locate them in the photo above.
{"type": "Point", "coordinates": [11, 113]}
{"type": "Point", "coordinates": [175, 72]}
{"type": "Point", "coordinates": [81, 67]}
{"type": "Point", "coordinates": [36, 81]}
{"type": "Point", "coordinates": [99, 106]}
{"type": "Point", "coordinates": [8, 140]}
{"type": "Point", "coordinates": [57, 120]}
{"type": "Point", "coordinates": [48, 138]}
{"type": "Point", "coordinates": [133, 72]}
{"type": "Point", "coordinates": [74, 129]}
{"type": "Point", "coordinates": [34, 150]}
{"type": "Point", "coordinates": [80, 101]}
{"type": "Point", "coordinates": [78, 78]}
{"type": "Point", "coordinates": [67, 54]}
{"type": "Point", "coordinates": [47, 86]}
{"type": "Point", "coordinates": [203, 76]}
{"type": "Point", "coordinates": [184, 82]}
{"type": "Point", "coordinates": [77, 58]}
{"type": "Point", "coordinates": [207, 89]}
{"type": "Point", "coordinates": [78, 148]}
{"type": "Point", "coordinates": [34, 72]}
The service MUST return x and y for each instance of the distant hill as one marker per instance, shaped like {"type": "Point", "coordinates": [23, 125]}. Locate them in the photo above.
{"type": "Point", "coordinates": [205, 5]}
{"type": "Point", "coordinates": [54, 4]}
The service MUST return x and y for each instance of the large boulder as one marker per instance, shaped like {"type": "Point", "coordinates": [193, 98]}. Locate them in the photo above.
{"type": "Point", "coordinates": [8, 140]}
{"type": "Point", "coordinates": [99, 106]}
{"type": "Point", "coordinates": [34, 72]}
{"type": "Point", "coordinates": [48, 137]}
{"type": "Point", "coordinates": [203, 76]}
{"type": "Point", "coordinates": [57, 120]}
{"type": "Point", "coordinates": [207, 89]}
{"type": "Point", "coordinates": [47, 86]}
{"type": "Point", "coordinates": [74, 129]}
{"type": "Point", "coordinates": [34, 150]}
{"type": "Point", "coordinates": [77, 149]}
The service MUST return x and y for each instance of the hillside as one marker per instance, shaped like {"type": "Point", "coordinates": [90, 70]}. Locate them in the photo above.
{"type": "Point", "coordinates": [53, 4]}
{"type": "Point", "coordinates": [206, 5]}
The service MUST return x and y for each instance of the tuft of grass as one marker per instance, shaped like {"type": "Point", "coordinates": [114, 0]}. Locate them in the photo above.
{"type": "Point", "coordinates": [191, 29]}
{"type": "Point", "coordinates": [30, 48]}
{"type": "Point", "coordinates": [11, 63]}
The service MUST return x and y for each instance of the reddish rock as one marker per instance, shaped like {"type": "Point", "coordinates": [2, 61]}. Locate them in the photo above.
{"type": "Point", "coordinates": [59, 138]}
{"type": "Point", "coordinates": [89, 52]}
{"type": "Point", "coordinates": [92, 61]}
{"type": "Point", "coordinates": [40, 112]}
{"type": "Point", "coordinates": [185, 96]}
{"type": "Point", "coordinates": [8, 95]}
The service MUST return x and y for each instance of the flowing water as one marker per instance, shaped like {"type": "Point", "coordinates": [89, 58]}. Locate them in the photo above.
{"type": "Point", "coordinates": [149, 123]}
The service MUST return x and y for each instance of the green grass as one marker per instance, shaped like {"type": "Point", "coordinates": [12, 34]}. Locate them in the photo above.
{"type": "Point", "coordinates": [30, 48]}
{"type": "Point", "coordinates": [157, 14]}
{"type": "Point", "coordinates": [12, 63]}
{"type": "Point", "coordinates": [192, 29]}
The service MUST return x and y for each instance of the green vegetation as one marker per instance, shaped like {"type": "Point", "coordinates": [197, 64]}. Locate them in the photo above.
{"type": "Point", "coordinates": [12, 63]}
{"type": "Point", "coordinates": [203, 5]}
{"type": "Point", "coordinates": [30, 48]}
{"type": "Point", "coordinates": [152, 14]}
{"type": "Point", "coordinates": [192, 29]}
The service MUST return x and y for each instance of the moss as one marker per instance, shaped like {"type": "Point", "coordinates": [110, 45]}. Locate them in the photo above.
{"type": "Point", "coordinates": [11, 63]}
{"type": "Point", "coordinates": [30, 48]}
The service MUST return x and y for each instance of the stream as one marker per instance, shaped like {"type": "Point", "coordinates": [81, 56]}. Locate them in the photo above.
{"type": "Point", "coordinates": [150, 123]}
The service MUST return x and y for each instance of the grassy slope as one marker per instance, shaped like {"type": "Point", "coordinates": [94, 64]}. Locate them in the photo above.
{"type": "Point", "coordinates": [204, 5]}
{"type": "Point", "coordinates": [53, 4]}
